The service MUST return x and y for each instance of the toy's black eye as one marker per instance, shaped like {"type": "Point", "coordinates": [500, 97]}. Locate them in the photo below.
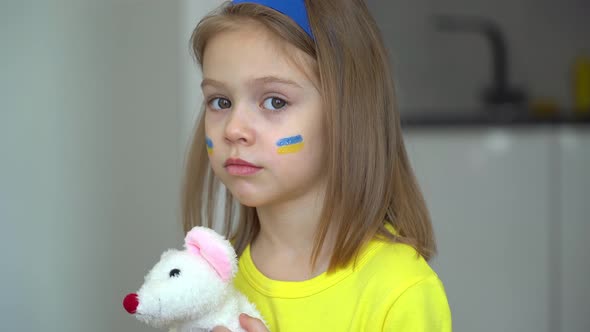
{"type": "Point", "coordinates": [174, 273]}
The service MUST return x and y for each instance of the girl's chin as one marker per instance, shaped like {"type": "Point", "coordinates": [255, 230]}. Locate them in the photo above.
{"type": "Point", "coordinates": [249, 204]}
{"type": "Point", "coordinates": [248, 199]}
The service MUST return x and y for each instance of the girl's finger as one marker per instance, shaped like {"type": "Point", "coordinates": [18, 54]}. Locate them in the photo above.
{"type": "Point", "coordinates": [220, 329]}
{"type": "Point", "coordinates": [252, 324]}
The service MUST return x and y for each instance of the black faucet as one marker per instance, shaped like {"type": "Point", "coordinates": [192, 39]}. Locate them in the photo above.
{"type": "Point", "coordinates": [499, 93]}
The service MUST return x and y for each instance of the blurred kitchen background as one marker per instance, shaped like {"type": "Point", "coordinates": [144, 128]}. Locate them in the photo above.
{"type": "Point", "coordinates": [98, 100]}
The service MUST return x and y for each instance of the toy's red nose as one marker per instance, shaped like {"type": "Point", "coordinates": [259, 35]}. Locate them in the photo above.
{"type": "Point", "coordinates": [130, 303]}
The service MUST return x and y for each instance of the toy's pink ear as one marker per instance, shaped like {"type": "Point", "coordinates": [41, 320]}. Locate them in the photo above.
{"type": "Point", "coordinates": [209, 245]}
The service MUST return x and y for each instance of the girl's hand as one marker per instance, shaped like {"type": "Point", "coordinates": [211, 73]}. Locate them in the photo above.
{"type": "Point", "coordinates": [248, 323]}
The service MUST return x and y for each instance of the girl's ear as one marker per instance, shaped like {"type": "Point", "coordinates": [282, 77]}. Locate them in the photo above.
{"type": "Point", "coordinates": [215, 249]}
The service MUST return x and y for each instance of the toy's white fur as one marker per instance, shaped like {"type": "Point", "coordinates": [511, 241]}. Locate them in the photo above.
{"type": "Point", "coordinates": [195, 300]}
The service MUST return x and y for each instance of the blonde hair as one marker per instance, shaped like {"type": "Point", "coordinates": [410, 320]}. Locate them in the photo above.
{"type": "Point", "coordinates": [370, 182]}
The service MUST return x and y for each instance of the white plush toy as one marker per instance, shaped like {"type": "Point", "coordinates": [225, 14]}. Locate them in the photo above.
{"type": "Point", "coordinates": [191, 290]}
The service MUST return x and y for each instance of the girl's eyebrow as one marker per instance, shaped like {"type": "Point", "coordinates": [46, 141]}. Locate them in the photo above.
{"type": "Point", "coordinates": [258, 81]}
{"type": "Point", "coordinates": [275, 79]}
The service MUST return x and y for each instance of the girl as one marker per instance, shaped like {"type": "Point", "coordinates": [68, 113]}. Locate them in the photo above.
{"type": "Point", "coordinates": [301, 135]}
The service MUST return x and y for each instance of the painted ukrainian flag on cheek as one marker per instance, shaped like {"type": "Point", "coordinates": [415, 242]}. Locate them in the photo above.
{"type": "Point", "coordinates": [290, 144]}
{"type": "Point", "coordinates": [209, 143]}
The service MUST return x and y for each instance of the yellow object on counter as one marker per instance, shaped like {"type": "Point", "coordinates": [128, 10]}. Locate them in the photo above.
{"type": "Point", "coordinates": [581, 72]}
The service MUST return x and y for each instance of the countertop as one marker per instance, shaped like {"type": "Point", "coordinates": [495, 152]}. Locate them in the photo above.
{"type": "Point", "coordinates": [441, 118]}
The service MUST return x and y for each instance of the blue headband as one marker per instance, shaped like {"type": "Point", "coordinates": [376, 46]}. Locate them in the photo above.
{"type": "Point", "coordinates": [295, 9]}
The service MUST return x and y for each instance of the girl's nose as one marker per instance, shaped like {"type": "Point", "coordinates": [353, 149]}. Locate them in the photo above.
{"type": "Point", "coordinates": [130, 303]}
{"type": "Point", "coordinates": [238, 129]}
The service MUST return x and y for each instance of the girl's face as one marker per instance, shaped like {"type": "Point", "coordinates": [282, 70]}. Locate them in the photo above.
{"type": "Point", "coordinates": [263, 118]}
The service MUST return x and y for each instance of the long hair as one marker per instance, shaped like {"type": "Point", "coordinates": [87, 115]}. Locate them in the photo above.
{"type": "Point", "coordinates": [370, 182]}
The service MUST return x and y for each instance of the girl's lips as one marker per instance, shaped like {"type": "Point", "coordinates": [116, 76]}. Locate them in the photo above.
{"type": "Point", "coordinates": [238, 162]}
{"type": "Point", "coordinates": [242, 170]}
{"type": "Point", "coordinates": [240, 167]}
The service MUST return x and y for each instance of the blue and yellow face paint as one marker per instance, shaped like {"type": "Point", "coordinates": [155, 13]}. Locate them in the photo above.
{"type": "Point", "coordinates": [291, 144]}
{"type": "Point", "coordinates": [209, 143]}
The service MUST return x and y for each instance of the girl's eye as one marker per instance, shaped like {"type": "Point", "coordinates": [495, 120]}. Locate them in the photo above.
{"type": "Point", "coordinates": [220, 103]}
{"type": "Point", "coordinates": [274, 103]}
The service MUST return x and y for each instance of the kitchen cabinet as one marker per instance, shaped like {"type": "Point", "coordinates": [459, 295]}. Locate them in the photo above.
{"type": "Point", "coordinates": [573, 256]}
{"type": "Point", "coordinates": [509, 207]}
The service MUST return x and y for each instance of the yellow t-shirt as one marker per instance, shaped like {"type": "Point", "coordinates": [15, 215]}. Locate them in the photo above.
{"type": "Point", "coordinates": [390, 289]}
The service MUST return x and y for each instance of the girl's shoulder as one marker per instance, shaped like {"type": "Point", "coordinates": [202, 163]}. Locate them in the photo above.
{"type": "Point", "coordinates": [394, 263]}
{"type": "Point", "coordinates": [396, 273]}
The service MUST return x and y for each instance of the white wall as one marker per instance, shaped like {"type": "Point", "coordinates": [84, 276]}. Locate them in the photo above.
{"type": "Point", "coordinates": [92, 132]}
{"type": "Point", "coordinates": [448, 71]}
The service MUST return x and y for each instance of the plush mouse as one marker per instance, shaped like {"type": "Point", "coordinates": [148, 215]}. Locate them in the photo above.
{"type": "Point", "coordinates": [191, 290]}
